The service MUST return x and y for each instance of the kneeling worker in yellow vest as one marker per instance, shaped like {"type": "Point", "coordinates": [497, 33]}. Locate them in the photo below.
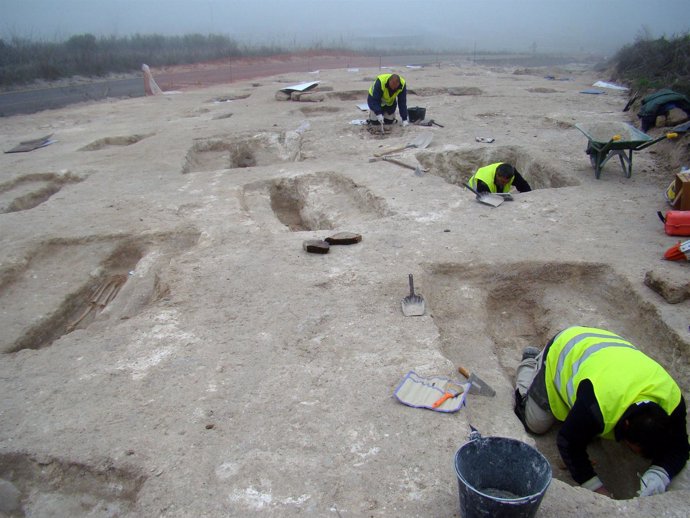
{"type": "Point", "coordinates": [498, 177]}
{"type": "Point", "coordinates": [599, 384]}
{"type": "Point", "coordinates": [388, 92]}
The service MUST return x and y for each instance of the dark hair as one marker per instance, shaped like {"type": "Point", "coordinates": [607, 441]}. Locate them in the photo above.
{"type": "Point", "coordinates": [505, 170]}
{"type": "Point", "coordinates": [648, 426]}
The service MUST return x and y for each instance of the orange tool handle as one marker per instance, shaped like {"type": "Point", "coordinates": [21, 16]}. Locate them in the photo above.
{"type": "Point", "coordinates": [444, 397]}
{"type": "Point", "coordinates": [462, 370]}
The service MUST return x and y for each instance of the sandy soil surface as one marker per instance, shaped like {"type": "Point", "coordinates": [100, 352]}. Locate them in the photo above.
{"type": "Point", "coordinates": [169, 348]}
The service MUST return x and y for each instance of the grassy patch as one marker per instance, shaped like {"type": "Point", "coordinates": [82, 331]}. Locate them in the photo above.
{"type": "Point", "coordinates": [651, 64]}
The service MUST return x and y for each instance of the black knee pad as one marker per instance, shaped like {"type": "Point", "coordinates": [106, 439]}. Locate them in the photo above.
{"type": "Point", "coordinates": [520, 406]}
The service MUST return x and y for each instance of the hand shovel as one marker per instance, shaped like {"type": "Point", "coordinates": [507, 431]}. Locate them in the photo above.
{"type": "Point", "coordinates": [477, 385]}
{"type": "Point", "coordinates": [487, 198]}
{"type": "Point", "coordinates": [413, 305]}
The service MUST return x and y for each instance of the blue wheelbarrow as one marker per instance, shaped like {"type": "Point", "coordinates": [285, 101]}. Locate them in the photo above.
{"type": "Point", "coordinates": [609, 139]}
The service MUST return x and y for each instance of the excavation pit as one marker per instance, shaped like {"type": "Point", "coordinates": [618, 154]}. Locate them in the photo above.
{"type": "Point", "coordinates": [66, 285]}
{"type": "Point", "coordinates": [126, 140]}
{"type": "Point", "coordinates": [48, 486]}
{"type": "Point", "coordinates": [487, 314]}
{"type": "Point", "coordinates": [428, 91]}
{"type": "Point", "coordinates": [315, 111]}
{"type": "Point", "coordinates": [541, 90]}
{"type": "Point", "coordinates": [29, 191]}
{"type": "Point", "coordinates": [262, 149]}
{"type": "Point", "coordinates": [350, 95]}
{"type": "Point", "coordinates": [457, 166]}
{"type": "Point", "coordinates": [228, 98]}
{"type": "Point", "coordinates": [464, 90]}
{"type": "Point", "coordinates": [319, 201]}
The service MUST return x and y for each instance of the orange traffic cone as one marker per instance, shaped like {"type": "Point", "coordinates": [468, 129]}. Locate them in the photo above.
{"type": "Point", "coordinates": [678, 252]}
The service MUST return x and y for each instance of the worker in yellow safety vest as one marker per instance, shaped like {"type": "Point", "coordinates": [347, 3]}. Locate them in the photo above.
{"type": "Point", "coordinates": [498, 177]}
{"type": "Point", "coordinates": [599, 384]}
{"type": "Point", "coordinates": [388, 92]}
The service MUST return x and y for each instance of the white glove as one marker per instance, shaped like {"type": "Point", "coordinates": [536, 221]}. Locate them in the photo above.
{"type": "Point", "coordinates": [379, 118]}
{"type": "Point", "coordinates": [405, 123]}
{"type": "Point", "coordinates": [593, 483]}
{"type": "Point", "coordinates": [654, 481]}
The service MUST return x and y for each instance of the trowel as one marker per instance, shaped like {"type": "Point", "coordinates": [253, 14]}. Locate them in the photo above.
{"type": "Point", "coordinates": [477, 385]}
{"type": "Point", "coordinates": [413, 305]}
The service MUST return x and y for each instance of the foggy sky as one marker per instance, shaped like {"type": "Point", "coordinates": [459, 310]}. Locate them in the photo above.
{"type": "Point", "coordinates": [600, 26]}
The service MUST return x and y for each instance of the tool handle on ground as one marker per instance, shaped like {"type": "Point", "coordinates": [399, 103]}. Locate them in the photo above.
{"type": "Point", "coordinates": [411, 285]}
{"type": "Point", "coordinates": [389, 151]}
{"type": "Point", "coordinates": [437, 124]}
{"type": "Point", "coordinates": [398, 162]}
{"type": "Point", "coordinates": [462, 370]}
{"type": "Point", "coordinates": [442, 399]}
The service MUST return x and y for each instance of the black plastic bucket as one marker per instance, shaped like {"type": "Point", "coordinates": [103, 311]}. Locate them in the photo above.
{"type": "Point", "coordinates": [500, 478]}
{"type": "Point", "coordinates": [416, 113]}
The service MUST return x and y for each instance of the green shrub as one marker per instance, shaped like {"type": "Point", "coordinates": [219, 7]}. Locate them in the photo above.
{"type": "Point", "coordinates": [653, 64]}
{"type": "Point", "coordinates": [23, 61]}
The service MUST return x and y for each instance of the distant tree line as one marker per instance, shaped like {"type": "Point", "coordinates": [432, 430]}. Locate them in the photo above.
{"type": "Point", "coordinates": [650, 64]}
{"type": "Point", "coordinates": [646, 64]}
{"type": "Point", "coordinates": [23, 61]}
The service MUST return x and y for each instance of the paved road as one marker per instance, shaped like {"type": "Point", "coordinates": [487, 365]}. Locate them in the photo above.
{"type": "Point", "coordinates": [32, 101]}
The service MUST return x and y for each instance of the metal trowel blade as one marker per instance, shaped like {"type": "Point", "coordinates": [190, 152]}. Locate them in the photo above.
{"type": "Point", "coordinates": [490, 199]}
{"type": "Point", "coordinates": [478, 386]}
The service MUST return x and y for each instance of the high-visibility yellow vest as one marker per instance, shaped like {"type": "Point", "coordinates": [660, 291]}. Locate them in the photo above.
{"type": "Point", "coordinates": [388, 97]}
{"type": "Point", "coordinates": [620, 374]}
{"type": "Point", "coordinates": [486, 174]}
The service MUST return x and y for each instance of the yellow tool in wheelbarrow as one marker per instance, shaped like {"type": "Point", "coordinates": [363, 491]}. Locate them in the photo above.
{"type": "Point", "coordinates": [609, 139]}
